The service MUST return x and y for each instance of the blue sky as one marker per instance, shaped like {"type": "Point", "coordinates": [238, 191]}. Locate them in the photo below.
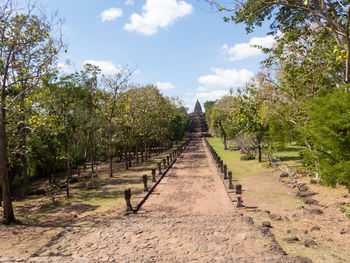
{"type": "Point", "coordinates": [181, 46]}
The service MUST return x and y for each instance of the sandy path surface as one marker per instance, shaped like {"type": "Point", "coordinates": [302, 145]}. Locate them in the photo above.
{"type": "Point", "coordinates": [189, 218]}
{"type": "Point", "coordinates": [192, 186]}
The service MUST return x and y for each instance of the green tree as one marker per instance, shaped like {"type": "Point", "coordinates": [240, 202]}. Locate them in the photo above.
{"type": "Point", "coordinates": [247, 116]}
{"type": "Point", "coordinates": [220, 120]}
{"type": "Point", "coordinates": [208, 105]}
{"type": "Point", "coordinates": [109, 105]}
{"type": "Point", "coordinates": [332, 16]}
{"type": "Point", "coordinates": [90, 76]}
{"type": "Point", "coordinates": [27, 53]}
{"type": "Point", "coordinates": [327, 134]}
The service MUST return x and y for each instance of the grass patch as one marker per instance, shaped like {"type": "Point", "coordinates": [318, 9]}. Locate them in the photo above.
{"type": "Point", "coordinates": [232, 159]}
{"type": "Point", "coordinates": [290, 155]}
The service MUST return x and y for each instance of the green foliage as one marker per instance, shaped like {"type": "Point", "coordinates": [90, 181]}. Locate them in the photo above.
{"type": "Point", "coordinates": [219, 117]}
{"type": "Point", "coordinates": [246, 157]}
{"type": "Point", "coordinates": [208, 105]}
{"type": "Point", "coordinates": [328, 134]}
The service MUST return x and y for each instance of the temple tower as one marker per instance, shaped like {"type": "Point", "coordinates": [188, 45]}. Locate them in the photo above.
{"type": "Point", "coordinates": [198, 125]}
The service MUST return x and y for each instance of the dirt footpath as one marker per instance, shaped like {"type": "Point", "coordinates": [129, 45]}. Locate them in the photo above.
{"type": "Point", "coordinates": [189, 218]}
{"type": "Point", "coordinates": [190, 187]}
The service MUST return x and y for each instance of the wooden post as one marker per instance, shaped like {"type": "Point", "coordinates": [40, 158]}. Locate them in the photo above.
{"type": "Point", "coordinates": [168, 160]}
{"type": "Point", "coordinates": [221, 166]}
{"type": "Point", "coordinates": [164, 163]}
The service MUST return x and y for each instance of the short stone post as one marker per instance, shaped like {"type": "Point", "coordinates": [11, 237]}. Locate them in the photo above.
{"type": "Point", "coordinates": [168, 160]}
{"type": "Point", "coordinates": [127, 196]}
{"type": "Point", "coordinates": [239, 195]}
{"type": "Point", "coordinates": [230, 185]}
{"type": "Point", "coordinates": [225, 171]}
{"type": "Point", "coordinates": [159, 168]}
{"type": "Point", "coordinates": [164, 163]}
{"type": "Point", "coordinates": [218, 161]}
{"type": "Point", "coordinates": [153, 175]}
{"type": "Point", "coordinates": [221, 166]}
{"type": "Point", "coordinates": [144, 178]}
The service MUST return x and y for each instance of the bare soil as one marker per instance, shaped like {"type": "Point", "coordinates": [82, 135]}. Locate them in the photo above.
{"type": "Point", "coordinates": [276, 200]}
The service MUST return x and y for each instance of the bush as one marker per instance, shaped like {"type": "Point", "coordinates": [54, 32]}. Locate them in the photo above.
{"type": "Point", "coordinates": [247, 157]}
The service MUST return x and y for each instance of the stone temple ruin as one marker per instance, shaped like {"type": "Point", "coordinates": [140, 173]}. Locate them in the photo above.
{"type": "Point", "coordinates": [198, 125]}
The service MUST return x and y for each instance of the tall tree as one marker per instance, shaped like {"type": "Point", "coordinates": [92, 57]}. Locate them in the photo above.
{"type": "Point", "coordinates": [109, 105]}
{"type": "Point", "coordinates": [247, 116]}
{"type": "Point", "coordinates": [90, 74]}
{"type": "Point", "coordinates": [27, 53]}
{"type": "Point", "coordinates": [220, 118]}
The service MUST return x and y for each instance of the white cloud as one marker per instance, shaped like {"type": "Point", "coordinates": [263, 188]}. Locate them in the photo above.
{"type": "Point", "coordinates": [245, 50]}
{"type": "Point", "coordinates": [107, 67]}
{"type": "Point", "coordinates": [164, 85]}
{"type": "Point", "coordinates": [202, 88]}
{"type": "Point", "coordinates": [129, 2]}
{"type": "Point", "coordinates": [111, 14]}
{"type": "Point", "coordinates": [225, 79]}
{"type": "Point", "coordinates": [212, 95]}
{"type": "Point", "coordinates": [158, 14]}
{"type": "Point", "coordinates": [66, 67]}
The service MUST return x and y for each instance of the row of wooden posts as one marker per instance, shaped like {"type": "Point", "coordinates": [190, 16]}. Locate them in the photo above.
{"type": "Point", "coordinates": [227, 175]}
{"type": "Point", "coordinates": [165, 164]}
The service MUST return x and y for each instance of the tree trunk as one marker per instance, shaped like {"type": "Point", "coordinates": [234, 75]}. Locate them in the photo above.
{"type": "Point", "coordinates": [137, 153]}
{"type": "Point", "coordinates": [110, 150]}
{"type": "Point", "coordinates": [146, 154]}
{"type": "Point", "coordinates": [130, 159]}
{"type": "Point", "coordinates": [68, 169]}
{"type": "Point", "coordinates": [92, 152]}
{"type": "Point", "coordinates": [24, 171]}
{"type": "Point", "coordinates": [5, 180]}
{"type": "Point", "coordinates": [23, 141]}
{"type": "Point", "coordinates": [85, 158]}
{"type": "Point", "coordinates": [259, 149]}
{"type": "Point", "coordinates": [225, 142]}
{"type": "Point", "coordinates": [347, 60]}
{"type": "Point", "coordinates": [126, 160]}
{"type": "Point", "coordinates": [142, 159]}
{"type": "Point", "coordinates": [149, 149]}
